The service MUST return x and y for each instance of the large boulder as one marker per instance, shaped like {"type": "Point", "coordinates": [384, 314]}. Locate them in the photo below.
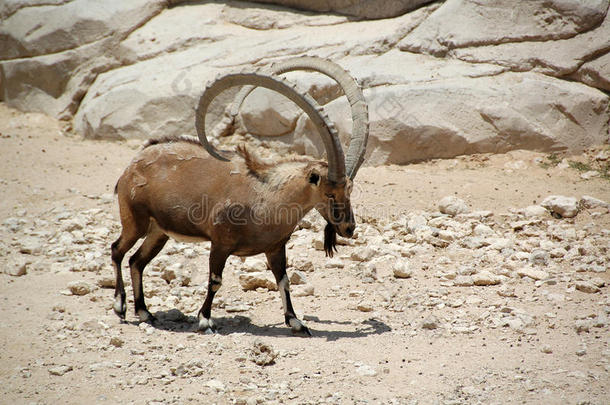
{"type": "Point", "coordinates": [271, 17]}
{"type": "Point", "coordinates": [48, 28]}
{"type": "Point", "coordinates": [464, 23]}
{"type": "Point", "coordinates": [271, 34]}
{"type": "Point", "coordinates": [52, 53]}
{"type": "Point", "coordinates": [177, 52]}
{"type": "Point", "coordinates": [370, 9]}
{"type": "Point", "coordinates": [268, 115]}
{"type": "Point", "coordinates": [422, 107]}
{"type": "Point", "coordinates": [371, 72]}
{"type": "Point", "coordinates": [595, 73]}
{"type": "Point", "coordinates": [449, 78]}
{"type": "Point", "coordinates": [55, 83]}
{"type": "Point", "coordinates": [555, 37]}
{"type": "Point", "coordinates": [9, 7]}
{"type": "Point", "coordinates": [556, 58]}
{"type": "Point", "coordinates": [148, 99]}
{"type": "Point", "coordinates": [491, 114]}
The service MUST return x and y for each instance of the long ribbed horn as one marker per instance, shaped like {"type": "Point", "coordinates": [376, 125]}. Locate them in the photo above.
{"type": "Point", "coordinates": [334, 152]}
{"type": "Point", "coordinates": [360, 114]}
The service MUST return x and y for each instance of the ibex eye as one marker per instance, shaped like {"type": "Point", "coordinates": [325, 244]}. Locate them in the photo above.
{"type": "Point", "coordinates": [329, 195]}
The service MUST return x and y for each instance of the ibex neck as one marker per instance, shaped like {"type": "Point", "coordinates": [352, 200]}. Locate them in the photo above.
{"type": "Point", "coordinates": [285, 195]}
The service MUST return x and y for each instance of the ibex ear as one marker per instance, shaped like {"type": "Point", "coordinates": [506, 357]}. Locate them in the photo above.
{"type": "Point", "coordinates": [314, 177]}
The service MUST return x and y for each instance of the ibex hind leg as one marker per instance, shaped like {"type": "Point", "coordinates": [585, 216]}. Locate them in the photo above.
{"type": "Point", "coordinates": [133, 228]}
{"type": "Point", "coordinates": [152, 245]}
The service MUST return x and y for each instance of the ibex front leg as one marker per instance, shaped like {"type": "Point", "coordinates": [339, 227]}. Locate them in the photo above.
{"type": "Point", "coordinates": [277, 262]}
{"type": "Point", "coordinates": [218, 259]}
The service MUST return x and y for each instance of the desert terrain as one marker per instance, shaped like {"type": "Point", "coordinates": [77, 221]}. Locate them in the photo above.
{"type": "Point", "coordinates": [502, 303]}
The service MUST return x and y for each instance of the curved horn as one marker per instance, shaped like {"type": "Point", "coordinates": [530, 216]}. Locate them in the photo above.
{"type": "Point", "coordinates": [360, 114]}
{"type": "Point", "coordinates": [336, 160]}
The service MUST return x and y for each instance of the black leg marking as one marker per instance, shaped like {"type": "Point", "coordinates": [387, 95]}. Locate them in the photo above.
{"type": "Point", "coordinates": [277, 262]}
{"type": "Point", "coordinates": [218, 259]}
{"type": "Point", "coordinates": [118, 250]}
{"type": "Point", "coordinates": [152, 245]}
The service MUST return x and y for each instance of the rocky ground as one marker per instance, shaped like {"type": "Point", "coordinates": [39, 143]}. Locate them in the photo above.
{"type": "Point", "coordinates": [459, 288]}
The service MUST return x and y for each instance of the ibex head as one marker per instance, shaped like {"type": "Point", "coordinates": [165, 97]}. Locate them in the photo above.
{"type": "Point", "coordinates": [335, 207]}
{"type": "Point", "coordinates": [332, 186]}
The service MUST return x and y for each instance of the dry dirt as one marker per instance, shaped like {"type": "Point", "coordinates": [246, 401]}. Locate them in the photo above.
{"type": "Point", "coordinates": [438, 336]}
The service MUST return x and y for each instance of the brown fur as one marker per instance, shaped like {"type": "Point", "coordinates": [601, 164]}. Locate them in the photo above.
{"type": "Point", "coordinates": [261, 169]}
{"type": "Point", "coordinates": [243, 207]}
{"type": "Point", "coordinates": [166, 139]}
{"type": "Point", "coordinates": [171, 139]}
{"type": "Point", "coordinates": [256, 166]}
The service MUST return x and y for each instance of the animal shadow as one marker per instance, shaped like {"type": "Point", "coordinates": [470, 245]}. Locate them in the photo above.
{"type": "Point", "coordinates": [175, 321]}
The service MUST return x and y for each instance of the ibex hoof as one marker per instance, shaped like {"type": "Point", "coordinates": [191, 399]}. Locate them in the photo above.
{"type": "Point", "coordinates": [298, 327]}
{"type": "Point", "coordinates": [120, 308]}
{"type": "Point", "coordinates": [303, 331]}
{"type": "Point", "coordinates": [146, 316]}
{"type": "Point", "coordinates": [206, 325]}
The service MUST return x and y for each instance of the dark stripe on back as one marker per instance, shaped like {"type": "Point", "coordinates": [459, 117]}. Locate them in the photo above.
{"type": "Point", "coordinates": [171, 139]}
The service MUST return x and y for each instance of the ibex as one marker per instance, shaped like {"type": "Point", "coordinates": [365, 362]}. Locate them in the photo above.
{"type": "Point", "coordinates": [174, 188]}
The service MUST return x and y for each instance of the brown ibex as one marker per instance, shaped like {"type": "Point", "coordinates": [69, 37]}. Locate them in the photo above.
{"type": "Point", "coordinates": [174, 188]}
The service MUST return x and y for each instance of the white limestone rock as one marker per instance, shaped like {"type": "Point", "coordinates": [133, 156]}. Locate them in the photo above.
{"type": "Point", "coordinates": [561, 206]}
{"type": "Point", "coordinates": [452, 206]}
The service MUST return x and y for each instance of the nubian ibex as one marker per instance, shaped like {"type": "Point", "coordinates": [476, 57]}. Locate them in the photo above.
{"type": "Point", "coordinates": [185, 189]}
